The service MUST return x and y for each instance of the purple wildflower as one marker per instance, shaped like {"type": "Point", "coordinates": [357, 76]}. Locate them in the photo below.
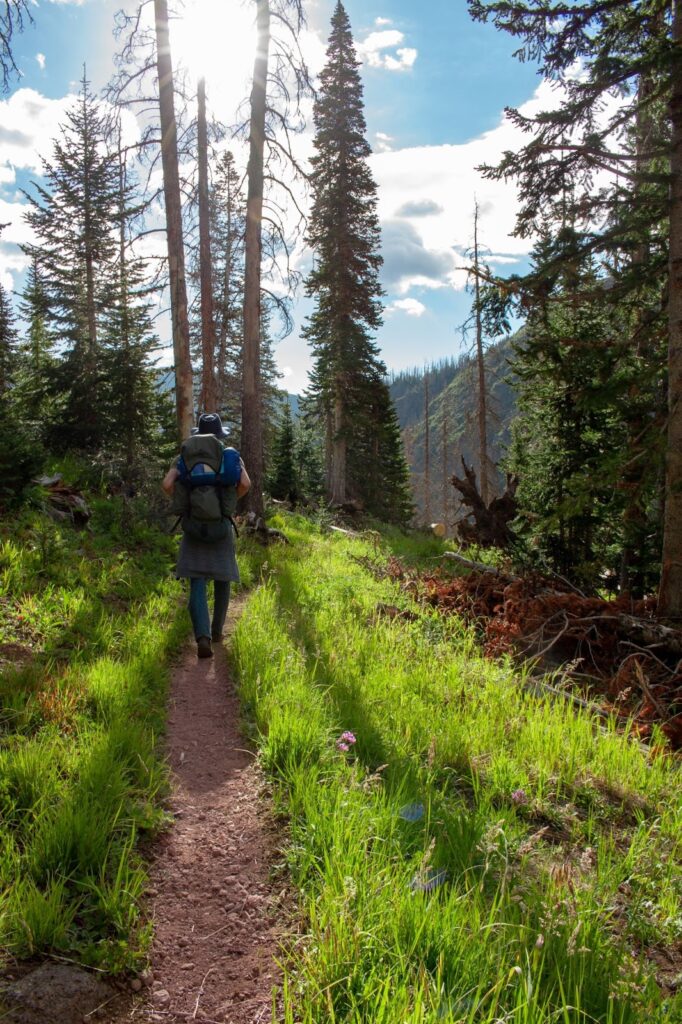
{"type": "Point", "coordinates": [343, 747]}
{"type": "Point", "coordinates": [348, 737]}
{"type": "Point", "coordinates": [519, 796]}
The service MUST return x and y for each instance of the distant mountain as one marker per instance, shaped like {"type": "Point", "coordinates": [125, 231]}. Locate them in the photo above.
{"type": "Point", "coordinates": [453, 430]}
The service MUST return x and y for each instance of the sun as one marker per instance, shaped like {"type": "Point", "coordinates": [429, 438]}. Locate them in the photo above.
{"type": "Point", "coordinates": [216, 39]}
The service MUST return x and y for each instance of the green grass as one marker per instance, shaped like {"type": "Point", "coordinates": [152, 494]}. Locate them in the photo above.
{"type": "Point", "coordinates": [561, 840]}
{"type": "Point", "coordinates": [95, 617]}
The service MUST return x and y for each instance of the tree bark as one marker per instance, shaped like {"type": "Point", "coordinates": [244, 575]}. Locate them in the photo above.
{"type": "Point", "coordinates": [221, 369]}
{"type": "Point", "coordinates": [184, 402]}
{"type": "Point", "coordinates": [445, 444]}
{"type": "Point", "coordinates": [427, 453]}
{"type": "Point", "coordinates": [252, 415]}
{"type": "Point", "coordinates": [670, 593]}
{"type": "Point", "coordinates": [337, 494]}
{"type": "Point", "coordinates": [208, 397]}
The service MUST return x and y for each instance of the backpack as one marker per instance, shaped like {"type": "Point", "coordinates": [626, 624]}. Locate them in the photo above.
{"type": "Point", "coordinates": [205, 494]}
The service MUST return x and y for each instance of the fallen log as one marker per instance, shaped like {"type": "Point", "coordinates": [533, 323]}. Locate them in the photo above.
{"type": "Point", "coordinates": [467, 563]}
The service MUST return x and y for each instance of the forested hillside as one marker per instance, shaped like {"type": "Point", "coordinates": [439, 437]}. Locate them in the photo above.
{"type": "Point", "coordinates": [450, 389]}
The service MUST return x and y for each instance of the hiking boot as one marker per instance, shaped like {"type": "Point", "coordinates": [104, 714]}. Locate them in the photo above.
{"type": "Point", "coordinates": [204, 649]}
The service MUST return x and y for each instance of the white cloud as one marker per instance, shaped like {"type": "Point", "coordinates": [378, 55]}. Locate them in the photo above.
{"type": "Point", "coordinates": [407, 55]}
{"type": "Point", "coordinates": [40, 60]}
{"type": "Point", "coordinates": [412, 307]}
{"type": "Point", "coordinates": [426, 201]}
{"type": "Point", "coordinates": [28, 123]}
{"type": "Point", "coordinates": [381, 22]}
{"type": "Point", "coordinates": [383, 142]}
{"type": "Point", "coordinates": [372, 49]}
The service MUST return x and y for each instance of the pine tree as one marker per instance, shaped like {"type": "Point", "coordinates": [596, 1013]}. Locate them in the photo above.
{"type": "Point", "coordinates": [570, 448]}
{"type": "Point", "coordinates": [131, 398]}
{"type": "Point", "coordinates": [309, 449]}
{"type": "Point", "coordinates": [21, 455]}
{"type": "Point", "coordinates": [72, 215]}
{"type": "Point", "coordinates": [8, 346]}
{"type": "Point", "coordinates": [282, 472]}
{"type": "Point", "coordinates": [348, 377]}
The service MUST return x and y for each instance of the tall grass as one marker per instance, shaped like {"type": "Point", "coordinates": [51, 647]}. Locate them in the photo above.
{"type": "Point", "coordinates": [94, 619]}
{"type": "Point", "coordinates": [478, 855]}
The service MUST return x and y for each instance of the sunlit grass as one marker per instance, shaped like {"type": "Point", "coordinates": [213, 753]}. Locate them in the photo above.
{"type": "Point", "coordinates": [559, 839]}
{"type": "Point", "coordinates": [80, 714]}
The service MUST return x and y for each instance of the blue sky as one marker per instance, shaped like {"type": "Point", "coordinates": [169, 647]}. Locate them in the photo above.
{"type": "Point", "coordinates": [435, 88]}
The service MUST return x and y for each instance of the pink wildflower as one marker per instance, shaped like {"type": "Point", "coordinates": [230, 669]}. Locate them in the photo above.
{"type": "Point", "coordinates": [519, 796]}
{"type": "Point", "coordinates": [348, 737]}
{"type": "Point", "coordinates": [343, 747]}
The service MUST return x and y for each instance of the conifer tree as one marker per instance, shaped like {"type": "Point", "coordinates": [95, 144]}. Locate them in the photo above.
{"type": "Point", "coordinates": [131, 398]}
{"type": "Point", "coordinates": [21, 455]}
{"type": "Point", "coordinates": [72, 214]}
{"type": "Point", "coordinates": [282, 474]}
{"type": "Point", "coordinates": [309, 447]}
{"type": "Point", "coordinates": [8, 346]}
{"type": "Point", "coordinates": [348, 377]}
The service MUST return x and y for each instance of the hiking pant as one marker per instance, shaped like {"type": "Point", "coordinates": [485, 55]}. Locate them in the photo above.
{"type": "Point", "coordinates": [198, 607]}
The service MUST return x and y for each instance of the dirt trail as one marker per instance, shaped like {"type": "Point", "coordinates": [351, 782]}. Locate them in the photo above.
{"type": "Point", "coordinates": [211, 898]}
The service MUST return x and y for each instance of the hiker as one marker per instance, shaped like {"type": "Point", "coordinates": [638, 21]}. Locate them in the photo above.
{"type": "Point", "coordinates": [207, 550]}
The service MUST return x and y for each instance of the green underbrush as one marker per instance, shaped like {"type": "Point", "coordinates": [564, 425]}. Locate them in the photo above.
{"type": "Point", "coordinates": [88, 622]}
{"type": "Point", "coordinates": [478, 855]}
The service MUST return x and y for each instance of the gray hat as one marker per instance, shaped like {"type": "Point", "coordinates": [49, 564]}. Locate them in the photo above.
{"type": "Point", "coordinates": [210, 423]}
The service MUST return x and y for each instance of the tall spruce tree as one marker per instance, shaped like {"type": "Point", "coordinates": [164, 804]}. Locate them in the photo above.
{"type": "Point", "coordinates": [131, 397]}
{"type": "Point", "coordinates": [348, 377]}
{"type": "Point", "coordinates": [283, 483]}
{"type": "Point", "coordinates": [72, 215]}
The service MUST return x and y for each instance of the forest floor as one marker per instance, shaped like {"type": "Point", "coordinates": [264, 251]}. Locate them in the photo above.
{"type": "Point", "coordinates": [217, 918]}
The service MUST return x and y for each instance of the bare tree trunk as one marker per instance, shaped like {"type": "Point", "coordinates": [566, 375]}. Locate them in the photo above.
{"type": "Point", "coordinates": [208, 399]}
{"type": "Point", "coordinates": [337, 494]}
{"type": "Point", "coordinates": [125, 309]}
{"type": "Point", "coordinates": [221, 368]}
{"type": "Point", "coordinates": [480, 363]}
{"type": "Point", "coordinates": [427, 453]}
{"type": "Point", "coordinates": [445, 444]}
{"type": "Point", "coordinates": [670, 593]}
{"type": "Point", "coordinates": [184, 402]}
{"type": "Point", "coordinates": [328, 438]}
{"type": "Point", "coordinates": [252, 418]}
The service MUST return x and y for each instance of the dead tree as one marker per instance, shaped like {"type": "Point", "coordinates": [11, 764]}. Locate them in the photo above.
{"type": "Point", "coordinates": [427, 453]}
{"type": "Point", "coordinates": [184, 401]}
{"type": "Point", "coordinates": [208, 399]}
{"type": "Point", "coordinates": [490, 526]}
{"type": "Point", "coordinates": [480, 366]}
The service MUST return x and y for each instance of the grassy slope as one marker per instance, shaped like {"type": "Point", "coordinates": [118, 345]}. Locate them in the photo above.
{"type": "Point", "coordinates": [561, 842]}
{"type": "Point", "coordinates": [78, 769]}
